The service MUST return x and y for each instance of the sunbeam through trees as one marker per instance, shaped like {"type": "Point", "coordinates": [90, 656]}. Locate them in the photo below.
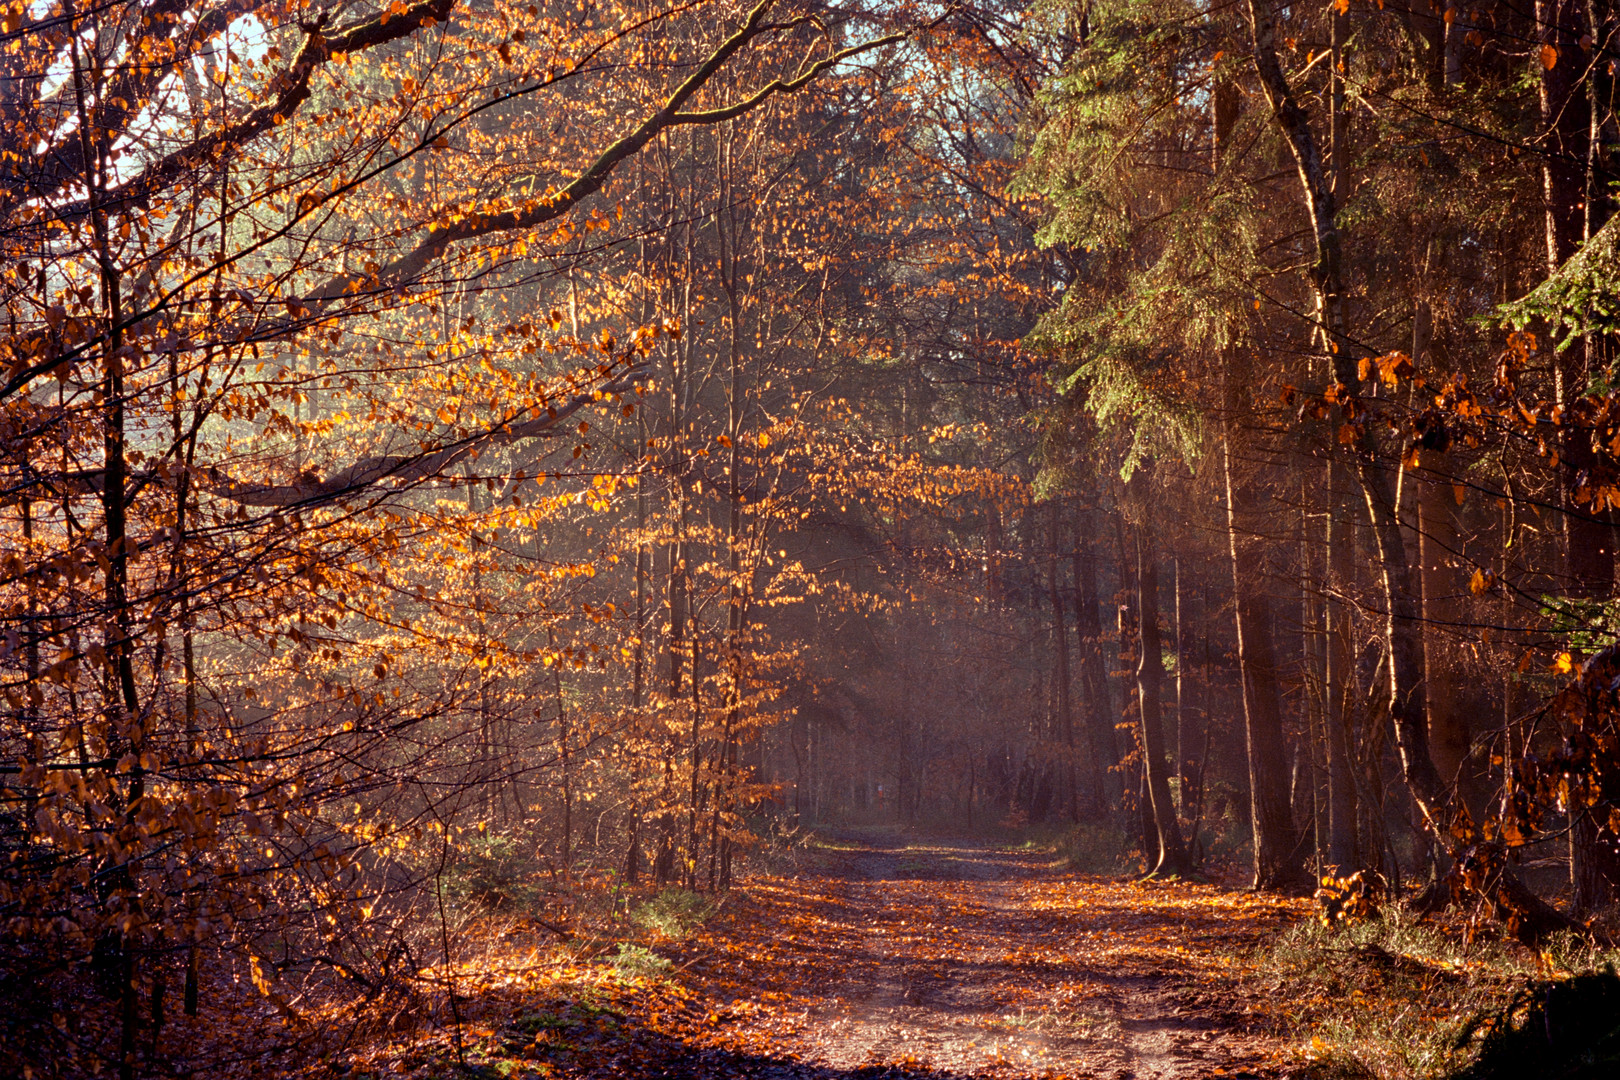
{"type": "Point", "coordinates": [803, 539]}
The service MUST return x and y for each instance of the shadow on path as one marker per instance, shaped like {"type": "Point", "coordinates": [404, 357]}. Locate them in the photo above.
{"type": "Point", "coordinates": [898, 958]}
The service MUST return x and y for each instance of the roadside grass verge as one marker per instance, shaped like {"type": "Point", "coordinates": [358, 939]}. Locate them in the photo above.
{"type": "Point", "coordinates": [1399, 998]}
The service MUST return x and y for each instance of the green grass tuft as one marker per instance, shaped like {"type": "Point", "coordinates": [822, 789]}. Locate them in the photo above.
{"type": "Point", "coordinates": [674, 913]}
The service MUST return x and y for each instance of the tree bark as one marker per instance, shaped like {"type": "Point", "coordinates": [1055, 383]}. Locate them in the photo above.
{"type": "Point", "coordinates": [1172, 860]}
{"type": "Point", "coordinates": [1101, 713]}
{"type": "Point", "coordinates": [1269, 815]}
{"type": "Point", "coordinates": [1450, 705]}
{"type": "Point", "coordinates": [1566, 167]}
{"type": "Point", "coordinates": [1593, 863]}
{"type": "Point", "coordinates": [1133, 778]}
{"type": "Point", "coordinates": [1402, 611]}
{"type": "Point", "coordinates": [1178, 758]}
{"type": "Point", "coordinates": [1060, 640]}
{"type": "Point", "coordinates": [1343, 851]}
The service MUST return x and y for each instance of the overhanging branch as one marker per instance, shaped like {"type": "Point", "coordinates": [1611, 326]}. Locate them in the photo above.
{"type": "Point", "coordinates": [403, 469]}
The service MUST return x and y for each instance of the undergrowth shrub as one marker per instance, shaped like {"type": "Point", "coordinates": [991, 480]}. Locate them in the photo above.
{"type": "Point", "coordinates": [780, 847]}
{"type": "Point", "coordinates": [1097, 848]}
{"type": "Point", "coordinates": [638, 961]}
{"type": "Point", "coordinates": [674, 913]}
{"type": "Point", "coordinates": [492, 872]}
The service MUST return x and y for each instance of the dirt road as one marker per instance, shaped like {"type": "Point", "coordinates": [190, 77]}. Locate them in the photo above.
{"type": "Point", "coordinates": [954, 960]}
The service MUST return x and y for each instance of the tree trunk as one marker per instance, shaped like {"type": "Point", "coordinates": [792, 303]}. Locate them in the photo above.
{"type": "Point", "coordinates": [1060, 639]}
{"type": "Point", "coordinates": [1450, 705]}
{"type": "Point", "coordinates": [736, 595]}
{"type": "Point", "coordinates": [643, 573]}
{"type": "Point", "coordinates": [1310, 758]}
{"type": "Point", "coordinates": [1593, 862]}
{"type": "Point", "coordinates": [1565, 164]}
{"type": "Point", "coordinates": [1172, 858]}
{"type": "Point", "coordinates": [1402, 610]}
{"type": "Point", "coordinates": [1178, 742]}
{"type": "Point", "coordinates": [1338, 670]}
{"type": "Point", "coordinates": [124, 713]}
{"type": "Point", "coordinates": [1101, 712]}
{"type": "Point", "coordinates": [1531, 917]}
{"type": "Point", "coordinates": [1269, 817]}
{"type": "Point", "coordinates": [1194, 693]}
{"type": "Point", "coordinates": [1133, 777]}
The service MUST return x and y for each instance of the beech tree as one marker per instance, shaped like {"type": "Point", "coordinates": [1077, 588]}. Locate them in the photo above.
{"type": "Point", "coordinates": [251, 353]}
{"type": "Point", "coordinates": [465, 459]}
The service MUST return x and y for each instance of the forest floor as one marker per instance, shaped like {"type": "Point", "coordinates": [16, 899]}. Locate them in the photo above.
{"type": "Point", "coordinates": [895, 958]}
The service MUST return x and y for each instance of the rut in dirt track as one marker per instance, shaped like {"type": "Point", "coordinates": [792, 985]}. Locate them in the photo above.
{"type": "Point", "coordinates": [956, 960]}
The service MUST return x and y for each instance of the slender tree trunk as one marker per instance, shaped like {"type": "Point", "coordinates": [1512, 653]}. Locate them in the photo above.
{"type": "Point", "coordinates": [31, 690]}
{"type": "Point", "coordinates": [1171, 860]}
{"type": "Point", "coordinates": [1567, 183]}
{"type": "Point", "coordinates": [1269, 816]}
{"type": "Point", "coordinates": [125, 717]}
{"type": "Point", "coordinates": [1313, 755]}
{"type": "Point", "coordinates": [736, 598]}
{"type": "Point", "coordinates": [675, 590]}
{"type": "Point", "coordinates": [1336, 677]}
{"type": "Point", "coordinates": [694, 806]}
{"type": "Point", "coordinates": [1403, 614]}
{"type": "Point", "coordinates": [1179, 757]}
{"type": "Point", "coordinates": [1094, 670]}
{"type": "Point", "coordinates": [1060, 638]}
{"type": "Point", "coordinates": [564, 749]}
{"type": "Point", "coordinates": [1194, 716]}
{"type": "Point", "coordinates": [638, 684]}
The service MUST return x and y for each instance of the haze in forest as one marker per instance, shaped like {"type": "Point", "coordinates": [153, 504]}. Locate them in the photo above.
{"type": "Point", "coordinates": [583, 477]}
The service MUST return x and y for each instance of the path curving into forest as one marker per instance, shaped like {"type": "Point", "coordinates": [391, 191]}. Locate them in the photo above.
{"type": "Point", "coordinates": [954, 959]}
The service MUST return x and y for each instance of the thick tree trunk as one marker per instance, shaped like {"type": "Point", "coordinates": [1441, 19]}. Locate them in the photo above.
{"type": "Point", "coordinates": [1564, 124]}
{"type": "Point", "coordinates": [1269, 815]}
{"type": "Point", "coordinates": [1336, 663]}
{"type": "Point", "coordinates": [1589, 530]}
{"type": "Point", "coordinates": [1439, 544]}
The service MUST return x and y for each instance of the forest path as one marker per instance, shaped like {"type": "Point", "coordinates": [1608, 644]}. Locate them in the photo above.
{"type": "Point", "coordinates": [938, 959]}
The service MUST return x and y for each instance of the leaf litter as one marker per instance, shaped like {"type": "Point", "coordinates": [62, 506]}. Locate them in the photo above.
{"type": "Point", "coordinates": [887, 959]}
